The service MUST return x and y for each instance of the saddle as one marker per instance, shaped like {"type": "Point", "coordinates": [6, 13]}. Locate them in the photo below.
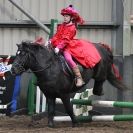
{"type": "Point", "coordinates": [66, 68]}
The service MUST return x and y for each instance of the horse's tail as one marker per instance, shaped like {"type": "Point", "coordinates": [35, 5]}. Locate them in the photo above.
{"type": "Point", "coordinates": [106, 46]}
{"type": "Point", "coordinates": [116, 72]}
{"type": "Point", "coordinates": [115, 79]}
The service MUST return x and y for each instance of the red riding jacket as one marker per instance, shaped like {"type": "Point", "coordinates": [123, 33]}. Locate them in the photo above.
{"type": "Point", "coordinates": [83, 51]}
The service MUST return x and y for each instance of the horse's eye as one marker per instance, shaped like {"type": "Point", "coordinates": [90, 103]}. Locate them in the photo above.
{"type": "Point", "coordinates": [18, 52]}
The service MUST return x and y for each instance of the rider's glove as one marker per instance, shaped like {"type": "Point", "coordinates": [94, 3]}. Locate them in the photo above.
{"type": "Point", "coordinates": [56, 50]}
{"type": "Point", "coordinates": [47, 43]}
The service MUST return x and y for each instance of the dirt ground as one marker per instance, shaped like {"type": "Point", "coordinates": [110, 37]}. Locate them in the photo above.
{"type": "Point", "coordinates": [22, 124]}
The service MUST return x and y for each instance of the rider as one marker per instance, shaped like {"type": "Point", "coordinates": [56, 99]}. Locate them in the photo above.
{"type": "Point", "coordinates": [83, 51]}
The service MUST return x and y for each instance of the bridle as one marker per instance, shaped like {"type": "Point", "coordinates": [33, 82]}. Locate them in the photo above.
{"type": "Point", "coordinates": [23, 63]}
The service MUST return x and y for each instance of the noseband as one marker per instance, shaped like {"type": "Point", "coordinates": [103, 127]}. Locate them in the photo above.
{"type": "Point", "coordinates": [20, 66]}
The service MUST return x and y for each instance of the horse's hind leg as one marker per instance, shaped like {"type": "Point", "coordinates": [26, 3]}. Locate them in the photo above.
{"type": "Point", "coordinates": [51, 111]}
{"type": "Point", "coordinates": [68, 107]}
{"type": "Point", "coordinates": [98, 88]}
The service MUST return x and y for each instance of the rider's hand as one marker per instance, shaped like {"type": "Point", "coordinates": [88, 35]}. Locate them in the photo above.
{"type": "Point", "coordinates": [47, 43]}
{"type": "Point", "coordinates": [56, 50]}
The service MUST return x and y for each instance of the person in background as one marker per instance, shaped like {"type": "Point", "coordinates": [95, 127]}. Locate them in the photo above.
{"type": "Point", "coordinates": [131, 19]}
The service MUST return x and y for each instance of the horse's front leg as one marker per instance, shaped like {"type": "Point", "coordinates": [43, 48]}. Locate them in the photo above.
{"type": "Point", "coordinates": [68, 107]}
{"type": "Point", "coordinates": [51, 111]}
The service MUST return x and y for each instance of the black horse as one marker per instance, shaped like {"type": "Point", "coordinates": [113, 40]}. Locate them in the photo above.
{"type": "Point", "coordinates": [52, 79]}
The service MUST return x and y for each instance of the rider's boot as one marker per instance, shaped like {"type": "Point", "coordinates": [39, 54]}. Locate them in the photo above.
{"type": "Point", "coordinates": [78, 77]}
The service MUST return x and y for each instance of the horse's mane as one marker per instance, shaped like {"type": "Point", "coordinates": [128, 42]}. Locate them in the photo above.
{"type": "Point", "coordinates": [33, 46]}
{"type": "Point", "coordinates": [44, 55]}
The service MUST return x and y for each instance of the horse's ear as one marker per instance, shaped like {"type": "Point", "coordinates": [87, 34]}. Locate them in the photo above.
{"type": "Point", "coordinates": [18, 45]}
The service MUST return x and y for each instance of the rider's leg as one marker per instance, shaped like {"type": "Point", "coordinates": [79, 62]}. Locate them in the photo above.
{"type": "Point", "coordinates": [73, 65]}
{"type": "Point", "coordinates": [78, 77]}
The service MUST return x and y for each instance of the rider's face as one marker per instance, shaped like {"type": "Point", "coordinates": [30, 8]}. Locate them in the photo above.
{"type": "Point", "coordinates": [67, 18]}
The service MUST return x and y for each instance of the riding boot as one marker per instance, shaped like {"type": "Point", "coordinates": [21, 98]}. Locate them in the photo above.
{"type": "Point", "coordinates": [78, 77]}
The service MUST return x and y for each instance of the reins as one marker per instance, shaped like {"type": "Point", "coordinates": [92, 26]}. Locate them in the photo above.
{"type": "Point", "coordinates": [21, 66]}
{"type": "Point", "coordinates": [41, 69]}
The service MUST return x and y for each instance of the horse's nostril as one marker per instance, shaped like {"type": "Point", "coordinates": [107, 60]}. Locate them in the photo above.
{"type": "Point", "coordinates": [12, 71]}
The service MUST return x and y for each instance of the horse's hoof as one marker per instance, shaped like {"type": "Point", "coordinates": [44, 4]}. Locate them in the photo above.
{"type": "Point", "coordinates": [51, 124]}
{"type": "Point", "coordinates": [75, 124]}
{"type": "Point", "coordinates": [98, 93]}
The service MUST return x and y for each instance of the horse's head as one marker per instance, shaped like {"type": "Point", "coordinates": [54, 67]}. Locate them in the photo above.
{"type": "Point", "coordinates": [30, 55]}
{"type": "Point", "coordinates": [21, 60]}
